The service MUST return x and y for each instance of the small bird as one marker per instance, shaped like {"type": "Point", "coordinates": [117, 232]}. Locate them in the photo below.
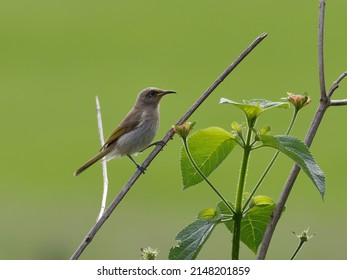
{"type": "Point", "coordinates": [135, 132]}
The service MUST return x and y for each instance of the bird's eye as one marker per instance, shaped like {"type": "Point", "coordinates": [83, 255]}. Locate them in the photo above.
{"type": "Point", "coordinates": [152, 93]}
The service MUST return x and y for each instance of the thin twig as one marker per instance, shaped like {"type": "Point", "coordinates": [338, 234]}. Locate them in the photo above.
{"type": "Point", "coordinates": [88, 238]}
{"type": "Point", "coordinates": [341, 102]}
{"type": "Point", "coordinates": [104, 165]}
{"type": "Point", "coordinates": [336, 83]}
{"type": "Point", "coordinates": [320, 49]}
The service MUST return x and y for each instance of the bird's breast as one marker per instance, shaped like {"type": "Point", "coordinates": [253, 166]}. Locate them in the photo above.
{"type": "Point", "coordinates": [141, 137]}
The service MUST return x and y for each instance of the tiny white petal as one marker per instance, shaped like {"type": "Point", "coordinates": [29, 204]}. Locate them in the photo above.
{"type": "Point", "coordinates": [224, 100]}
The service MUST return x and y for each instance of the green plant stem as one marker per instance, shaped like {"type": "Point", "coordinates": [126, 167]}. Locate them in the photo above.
{"type": "Point", "coordinates": [295, 115]}
{"type": "Point", "coordinates": [204, 177]}
{"type": "Point", "coordinates": [297, 249]}
{"type": "Point", "coordinates": [289, 129]}
{"type": "Point", "coordinates": [239, 196]}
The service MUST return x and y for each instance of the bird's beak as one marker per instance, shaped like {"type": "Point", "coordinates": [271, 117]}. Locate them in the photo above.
{"type": "Point", "coordinates": [164, 92]}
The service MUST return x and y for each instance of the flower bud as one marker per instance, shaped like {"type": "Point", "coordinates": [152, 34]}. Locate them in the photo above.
{"type": "Point", "coordinates": [298, 100]}
{"type": "Point", "coordinates": [237, 127]}
{"type": "Point", "coordinates": [304, 237]}
{"type": "Point", "coordinates": [183, 130]}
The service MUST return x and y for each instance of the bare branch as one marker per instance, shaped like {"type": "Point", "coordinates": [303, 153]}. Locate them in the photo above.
{"type": "Point", "coordinates": [88, 238]}
{"type": "Point", "coordinates": [341, 102]}
{"type": "Point", "coordinates": [220, 79]}
{"type": "Point", "coordinates": [104, 165]}
{"type": "Point", "coordinates": [336, 83]}
{"type": "Point", "coordinates": [320, 49]}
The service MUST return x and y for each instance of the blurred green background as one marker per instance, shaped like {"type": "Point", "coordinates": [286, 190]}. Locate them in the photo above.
{"type": "Point", "coordinates": [55, 56]}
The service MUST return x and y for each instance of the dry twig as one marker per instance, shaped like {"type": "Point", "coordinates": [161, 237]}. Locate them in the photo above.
{"type": "Point", "coordinates": [104, 165]}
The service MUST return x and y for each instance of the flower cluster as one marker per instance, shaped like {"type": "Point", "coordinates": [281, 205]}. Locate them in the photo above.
{"type": "Point", "coordinates": [149, 253]}
{"type": "Point", "coordinates": [298, 100]}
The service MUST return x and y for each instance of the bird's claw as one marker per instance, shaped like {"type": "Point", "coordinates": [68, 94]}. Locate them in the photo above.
{"type": "Point", "coordinates": [141, 169]}
{"type": "Point", "coordinates": [161, 143]}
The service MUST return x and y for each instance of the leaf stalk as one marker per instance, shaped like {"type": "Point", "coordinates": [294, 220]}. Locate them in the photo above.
{"type": "Point", "coordinates": [204, 177]}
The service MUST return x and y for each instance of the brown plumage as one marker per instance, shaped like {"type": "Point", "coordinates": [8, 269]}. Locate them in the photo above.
{"type": "Point", "coordinates": [135, 132]}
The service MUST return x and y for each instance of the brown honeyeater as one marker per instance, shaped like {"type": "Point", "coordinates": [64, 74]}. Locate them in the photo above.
{"type": "Point", "coordinates": [135, 132]}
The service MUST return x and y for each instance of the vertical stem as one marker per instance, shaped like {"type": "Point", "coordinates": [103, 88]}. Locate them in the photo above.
{"type": "Point", "coordinates": [104, 166]}
{"type": "Point", "coordinates": [239, 197]}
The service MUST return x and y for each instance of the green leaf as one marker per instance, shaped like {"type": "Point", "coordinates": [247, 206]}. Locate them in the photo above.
{"type": "Point", "coordinates": [192, 238]}
{"type": "Point", "coordinates": [208, 148]}
{"type": "Point", "coordinates": [208, 213]}
{"type": "Point", "coordinates": [255, 105]}
{"type": "Point", "coordinates": [254, 223]}
{"type": "Point", "coordinates": [259, 200]}
{"type": "Point", "coordinates": [253, 108]}
{"type": "Point", "coordinates": [299, 152]}
{"type": "Point", "coordinates": [265, 130]}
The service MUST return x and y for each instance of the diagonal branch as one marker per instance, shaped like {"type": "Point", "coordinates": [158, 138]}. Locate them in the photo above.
{"type": "Point", "coordinates": [89, 237]}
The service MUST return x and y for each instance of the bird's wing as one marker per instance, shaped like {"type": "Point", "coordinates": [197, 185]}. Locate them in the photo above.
{"type": "Point", "coordinates": [124, 128]}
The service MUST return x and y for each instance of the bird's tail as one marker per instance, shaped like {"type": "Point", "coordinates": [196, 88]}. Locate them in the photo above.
{"type": "Point", "coordinates": [90, 162]}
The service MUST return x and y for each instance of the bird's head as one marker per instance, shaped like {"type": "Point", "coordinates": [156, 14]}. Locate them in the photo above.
{"type": "Point", "coordinates": [151, 96]}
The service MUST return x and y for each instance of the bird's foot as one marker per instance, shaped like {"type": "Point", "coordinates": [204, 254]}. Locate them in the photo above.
{"type": "Point", "coordinates": [160, 143]}
{"type": "Point", "coordinates": [141, 169]}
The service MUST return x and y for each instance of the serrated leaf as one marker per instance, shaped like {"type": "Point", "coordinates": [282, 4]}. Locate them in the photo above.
{"type": "Point", "coordinates": [208, 148]}
{"type": "Point", "coordinates": [192, 238]}
{"type": "Point", "coordinates": [208, 213]}
{"type": "Point", "coordinates": [253, 108]}
{"type": "Point", "coordinates": [254, 223]}
{"type": "Point", "coordinates": [261, 104]}
{"type": "Point", "coordinates": [299, 152]}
